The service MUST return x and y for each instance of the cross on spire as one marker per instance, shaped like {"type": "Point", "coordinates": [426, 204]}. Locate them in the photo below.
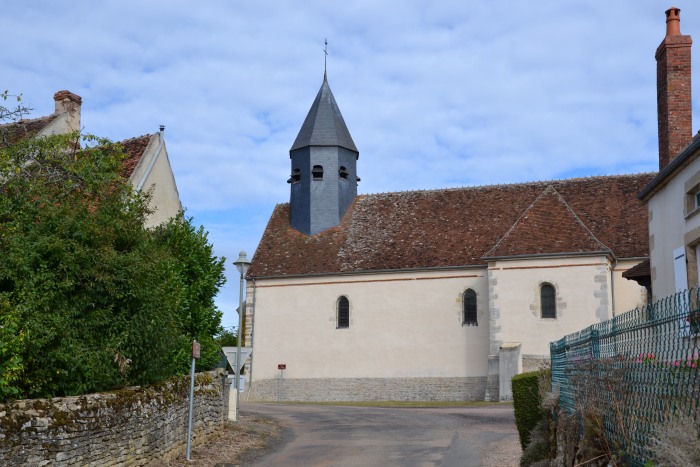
{"type": "Point", "coordinates": [325, 56]}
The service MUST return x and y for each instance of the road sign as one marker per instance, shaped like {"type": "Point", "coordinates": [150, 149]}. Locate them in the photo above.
{"type": "Point", "coordinates": [230, 353]}
{"type": "Point", "coordinates": [195, 349]}
{"type": "Point", "coordinates": [282, 366]}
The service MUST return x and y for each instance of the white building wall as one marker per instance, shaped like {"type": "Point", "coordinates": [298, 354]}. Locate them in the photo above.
{"type": "Point", "coordinates": [583, 296]}
{"type": "Point", "coordinates": [627, 294]}
{"type": "Point", "coordinates": [401, 325]}
{"type": "Point", "coordinates": [672, 225]}
{"type": "Point", "coordinates": [154, 172]}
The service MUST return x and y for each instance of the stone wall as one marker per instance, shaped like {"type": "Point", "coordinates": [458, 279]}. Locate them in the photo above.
{"type": "Point", "coordinates": [132, 426]}
{"type": "Point", "coordinates": [370, 389]}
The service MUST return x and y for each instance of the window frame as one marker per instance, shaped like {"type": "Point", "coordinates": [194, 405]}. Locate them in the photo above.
{"type": "Point", "coordinates": [342, 312]}
{"type": "Point", "coordinates": [469, 301]}
{"type": "Point", "coordinates": [317, 172]}
{"type": "Point", "coordinates": [548, 309]}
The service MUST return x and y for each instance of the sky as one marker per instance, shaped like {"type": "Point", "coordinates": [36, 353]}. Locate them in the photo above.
{"type": "Point", "coordinates": [436, 94]}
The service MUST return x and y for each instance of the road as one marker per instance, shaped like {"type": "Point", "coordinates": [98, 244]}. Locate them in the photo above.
{"type": "Point", "coordinates": [317, 435]}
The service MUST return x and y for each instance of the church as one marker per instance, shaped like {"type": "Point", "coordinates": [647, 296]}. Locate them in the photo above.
{"type": "Point", "coordinates": [442, 295]}
{"type": "Point", "coordinates": [428, 295]}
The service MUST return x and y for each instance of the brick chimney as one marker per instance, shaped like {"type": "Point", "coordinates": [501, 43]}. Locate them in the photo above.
{"type": "Point", "coordinates": [673, 89]}
{"type": "Point", "coordinates": [68, 104]}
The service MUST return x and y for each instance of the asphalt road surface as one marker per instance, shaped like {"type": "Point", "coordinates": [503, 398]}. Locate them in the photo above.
{"type": "Point", "coordinates": [316, 435]}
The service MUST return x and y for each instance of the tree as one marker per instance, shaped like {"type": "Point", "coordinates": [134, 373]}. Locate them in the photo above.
{"type": "Point", "coordinates": [89, 298]}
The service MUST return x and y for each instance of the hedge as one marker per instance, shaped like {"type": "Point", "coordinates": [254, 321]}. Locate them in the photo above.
{"type": "Point", "coordinates": [526, 404]}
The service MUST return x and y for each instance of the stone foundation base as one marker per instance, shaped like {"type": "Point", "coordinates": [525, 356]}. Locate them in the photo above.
{"type": "Point", "coordinates": [370, 389]}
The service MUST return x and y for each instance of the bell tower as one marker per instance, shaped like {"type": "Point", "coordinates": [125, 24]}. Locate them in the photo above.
{"type": "Point", "coordinates": [324, 167]}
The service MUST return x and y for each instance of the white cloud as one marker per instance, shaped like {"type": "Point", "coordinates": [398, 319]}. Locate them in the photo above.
{"type": "Point", "coordinates": [435, 94]}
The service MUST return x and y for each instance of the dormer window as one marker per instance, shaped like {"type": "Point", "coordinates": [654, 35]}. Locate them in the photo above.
{"type": "Point", "coordinates": [343, 172]}
{"type": "Point", "coordinates": [295, 177]}
{"type": "Point", "coordinates": [317, 172]}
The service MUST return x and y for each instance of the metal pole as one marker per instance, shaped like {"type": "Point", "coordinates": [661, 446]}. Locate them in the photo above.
{"type": "Point", "coordinates": [189, 422]}
{"type": "Point", "coordinates": [238, 350]}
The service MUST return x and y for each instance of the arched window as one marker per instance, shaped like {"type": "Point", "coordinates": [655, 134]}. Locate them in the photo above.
{"type": "Point", "coordinates": [548, 301]}
{"type": "Point", "coordinates": [469, 308]}
{"type": "Point", "coordinates": [343, 312]}
{"type": "Point", "coordinates": [295, 177]}
{"type": "Point", "coordinates": [343, 172]}
{"type": "Point", "coordinates": [317, 172]}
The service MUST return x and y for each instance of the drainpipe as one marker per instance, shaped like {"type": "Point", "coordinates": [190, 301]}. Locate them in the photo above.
{"type": "Point", "coordinates": [612, 284]}
{"type": "Point", "coordinates": [252, 334]}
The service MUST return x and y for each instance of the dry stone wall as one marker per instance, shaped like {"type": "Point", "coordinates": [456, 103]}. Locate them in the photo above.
{"type": "Point", "coordinates": [133, 426]}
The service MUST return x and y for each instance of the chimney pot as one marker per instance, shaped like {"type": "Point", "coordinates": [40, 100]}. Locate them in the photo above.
{"type": "Point", "coordinates": [673, 21]}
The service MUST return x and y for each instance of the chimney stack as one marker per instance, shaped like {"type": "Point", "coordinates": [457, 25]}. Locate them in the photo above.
{"type": "Point", "coordinates": [69, 104]}
{"type": "Point", "coordinates": [673, 89]}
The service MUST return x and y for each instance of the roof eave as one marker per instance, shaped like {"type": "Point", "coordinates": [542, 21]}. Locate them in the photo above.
{"type": "Point", "coordinates": [684, 158]}
{"type": "Point", "coordinates": [549, 255]}
{"type": "Point", "coordinates": [369, 271]}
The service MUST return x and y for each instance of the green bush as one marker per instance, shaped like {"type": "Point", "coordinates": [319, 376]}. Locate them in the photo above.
{"type": "Point", "coordinates": [526, 404]}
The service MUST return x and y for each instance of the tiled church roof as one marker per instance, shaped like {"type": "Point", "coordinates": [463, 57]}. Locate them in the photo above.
{"type": "Point", "coordinates": [548, 226]}
{"type": "Point", "coordinates": [458, 227]}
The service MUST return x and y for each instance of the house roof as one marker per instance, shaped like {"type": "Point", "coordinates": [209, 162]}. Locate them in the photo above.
{"type": "Point", "coordinates": [134, 149]}
{"type": "Point", "coordinates": [458, 227]}
{"type": "Point", "coordinates": [10, 133]}
{"type": "Point", "coordinates": [324, 124]}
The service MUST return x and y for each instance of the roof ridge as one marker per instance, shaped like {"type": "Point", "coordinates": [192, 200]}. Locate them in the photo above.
{"type": "Point", "coordinates": [578, 219]}
{"type": "Point", "coordinates": [510, 185]}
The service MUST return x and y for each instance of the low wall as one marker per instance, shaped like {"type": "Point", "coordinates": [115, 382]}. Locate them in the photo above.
{"type": "Point", "coordinates": [132, 426]}
{"type": "Point", "coordinates": [370, 389]}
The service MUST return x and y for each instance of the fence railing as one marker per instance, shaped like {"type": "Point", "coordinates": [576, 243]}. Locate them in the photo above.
{"type": "Point", "coordinates": [637, 372]}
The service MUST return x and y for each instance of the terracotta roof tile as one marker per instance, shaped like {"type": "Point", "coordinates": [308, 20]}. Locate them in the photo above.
{"type": "Point", "coordinates": [548, 226]}
{"type": "Point", "coordinates": [134, 149]}
{"type": "Point", "coordinates": [454, 227]}
{"type": "Point", "coordinates": [12, 132]}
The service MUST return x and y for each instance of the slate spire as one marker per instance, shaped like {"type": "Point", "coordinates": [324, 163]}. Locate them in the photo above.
{"type": "Point", "coordinates": [324, 167]}
{"type": "Point", "coordinates": [324, 124]}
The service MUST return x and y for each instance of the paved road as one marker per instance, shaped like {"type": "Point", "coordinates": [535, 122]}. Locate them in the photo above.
{"type": "Point", "coordinates": [369, 436]}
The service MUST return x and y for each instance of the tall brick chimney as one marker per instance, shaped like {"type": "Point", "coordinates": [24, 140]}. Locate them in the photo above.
{"type": "Point", "coordinates": [673, 89]}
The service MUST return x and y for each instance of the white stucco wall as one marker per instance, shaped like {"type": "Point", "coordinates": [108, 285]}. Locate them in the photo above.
{"type": "Point", "coordinates": [583, 295]}
{"type": "Point", "coordinates": [628, 294]}
{"type": "Point", "coordinates": [669, 228]}
{"type": "Point", "coordinates": [154, 172]}
{"type": "Point", "coordinates": [401, 325]}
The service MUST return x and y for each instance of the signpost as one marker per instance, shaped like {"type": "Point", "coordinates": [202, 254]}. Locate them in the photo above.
{"type": "Point", "coordinates": [195, 356]}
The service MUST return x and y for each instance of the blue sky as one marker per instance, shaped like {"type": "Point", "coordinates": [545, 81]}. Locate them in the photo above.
{"type": "Point", "coordinates": [435, 94]}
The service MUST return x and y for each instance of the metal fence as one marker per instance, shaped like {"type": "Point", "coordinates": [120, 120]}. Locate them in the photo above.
{"type": "Point", "coordinates": [637, 372]}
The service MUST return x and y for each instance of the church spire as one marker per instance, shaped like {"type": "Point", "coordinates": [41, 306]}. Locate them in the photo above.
{"type": "Point", "coordinates": [324, 167]}
{"type": "Point", "coordinates": [324, 124]}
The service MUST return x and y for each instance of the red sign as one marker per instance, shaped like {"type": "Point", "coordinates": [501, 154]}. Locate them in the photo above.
{"type": "Point", "coordinates": [195, 349]}
{"type": "Point", "coordinates": [282, 366]}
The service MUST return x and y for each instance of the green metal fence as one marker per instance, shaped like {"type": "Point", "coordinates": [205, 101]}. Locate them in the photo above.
{"type": "Point", "coordinates": [636, 372]}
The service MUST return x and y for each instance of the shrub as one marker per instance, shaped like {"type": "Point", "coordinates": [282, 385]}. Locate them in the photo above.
{"type": "Point", "coordinates": [526, 404]}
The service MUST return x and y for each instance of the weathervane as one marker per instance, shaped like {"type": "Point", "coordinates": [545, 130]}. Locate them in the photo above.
{"type": "Point", "coordinates": [325, 57]}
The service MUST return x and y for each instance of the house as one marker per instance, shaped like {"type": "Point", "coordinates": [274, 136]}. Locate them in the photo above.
{"type": "Point", "coordinates": [146, 166]}
{"type": "Point", "coordinates": [428, 295]}
{"type": "Point", "coordinates": [673, 196]}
